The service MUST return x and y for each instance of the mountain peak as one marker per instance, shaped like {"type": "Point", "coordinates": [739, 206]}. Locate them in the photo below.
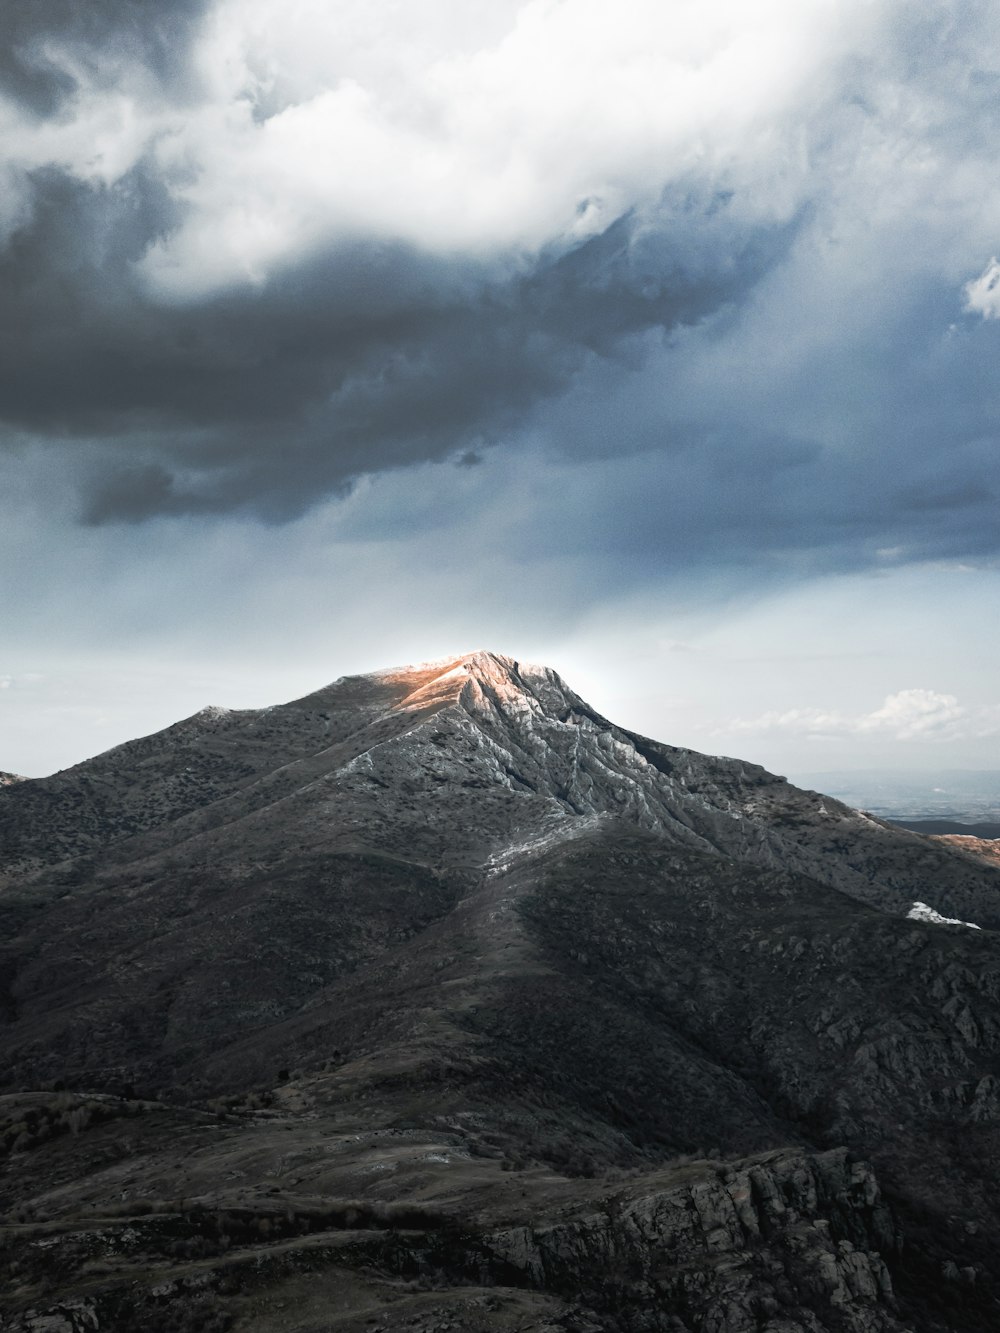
{"type": "Point", "coordinates": [481, 661]}
{"type": "Point", "coordinates": [475, 677]}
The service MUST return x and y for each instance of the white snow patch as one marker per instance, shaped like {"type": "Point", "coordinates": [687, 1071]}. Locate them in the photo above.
{"type": "Point", "coordinates": [921, 912]}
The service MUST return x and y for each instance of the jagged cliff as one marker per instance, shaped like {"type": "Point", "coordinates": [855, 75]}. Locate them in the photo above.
{"type": "Point", "coordinates": [781, 1236]}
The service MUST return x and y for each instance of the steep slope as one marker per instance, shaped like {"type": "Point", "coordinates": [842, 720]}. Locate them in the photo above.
{"type": "Point", "coordinates": [153, 781]}
{"type": "Point", "coordinates": [615, 1022]}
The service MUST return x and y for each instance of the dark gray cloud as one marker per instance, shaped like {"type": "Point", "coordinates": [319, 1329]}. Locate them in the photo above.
{"type": "Point", "coordinates": [365, 357]}
{"type": "Point", "coordinates": [787, 385]}
{"type": "Point", "coordinates": [37, 36]}
{"type": "Point", "coordinates": [853, 453]}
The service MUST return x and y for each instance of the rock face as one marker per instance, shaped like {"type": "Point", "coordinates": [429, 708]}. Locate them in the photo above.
{"type": "Point", "coordinates": [730, 1252]}
{"type": "Point", "coordinates": [438, 977]}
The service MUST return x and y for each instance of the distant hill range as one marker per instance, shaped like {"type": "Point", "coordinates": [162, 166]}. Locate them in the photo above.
{"type": "Point", "coordinates": [954, 795]}
{"type": "Point", "coordinates": [435, 1000]}
{"type": "Point", "coordinates": [940, 826]}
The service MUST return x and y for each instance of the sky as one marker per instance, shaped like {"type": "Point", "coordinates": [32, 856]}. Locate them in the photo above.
{"type": "Point", "coordinates": [657, 342]}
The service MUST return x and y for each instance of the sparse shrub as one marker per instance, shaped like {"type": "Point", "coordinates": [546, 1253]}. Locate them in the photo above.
{"type": "Point", "coordinates": [77, 1119]}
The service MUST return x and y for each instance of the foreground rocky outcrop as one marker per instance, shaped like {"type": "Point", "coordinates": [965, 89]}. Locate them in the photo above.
{"type": "Point", "coordinates": [785, 1242]}
{"type": "Point", "coordinates": [790, 1241]}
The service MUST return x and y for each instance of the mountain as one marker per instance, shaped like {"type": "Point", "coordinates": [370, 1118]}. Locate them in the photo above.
{"type": "Point", "coordinates": [436, 1000]}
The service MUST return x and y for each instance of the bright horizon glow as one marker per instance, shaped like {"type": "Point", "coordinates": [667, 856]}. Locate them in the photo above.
{"type": "Point", "coordinates": [717, 682]}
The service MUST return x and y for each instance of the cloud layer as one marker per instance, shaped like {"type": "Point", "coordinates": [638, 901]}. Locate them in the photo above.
{"type": "Point", "coordinates": [720, 259]}
{"type": "Point", "coordinates": [908, 715]}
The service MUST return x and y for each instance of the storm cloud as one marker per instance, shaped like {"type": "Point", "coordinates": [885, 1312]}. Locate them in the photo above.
{"type": "Point", "coordinates": [250, 257]}
{"type": "Point", "coordinates": [47, 50]}
{"type": "Point", "coordinates": [369, 357]}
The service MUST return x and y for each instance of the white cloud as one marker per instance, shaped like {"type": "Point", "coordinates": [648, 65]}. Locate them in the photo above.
{"type": "Point", "coordinates": [908, 715]}
{"type": "Point", "coordinates": [22, 680]}
{"type": "Point", "coordinates": [913, 714]}
{"type": "Point", "coordinates": [479, 128]}
{"type": "Point", "coordinates": [498, 128]}
{"type": "Point", "coordinates": [982, 295]}
{"type": "Point", "coordinates": [453, 124]}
